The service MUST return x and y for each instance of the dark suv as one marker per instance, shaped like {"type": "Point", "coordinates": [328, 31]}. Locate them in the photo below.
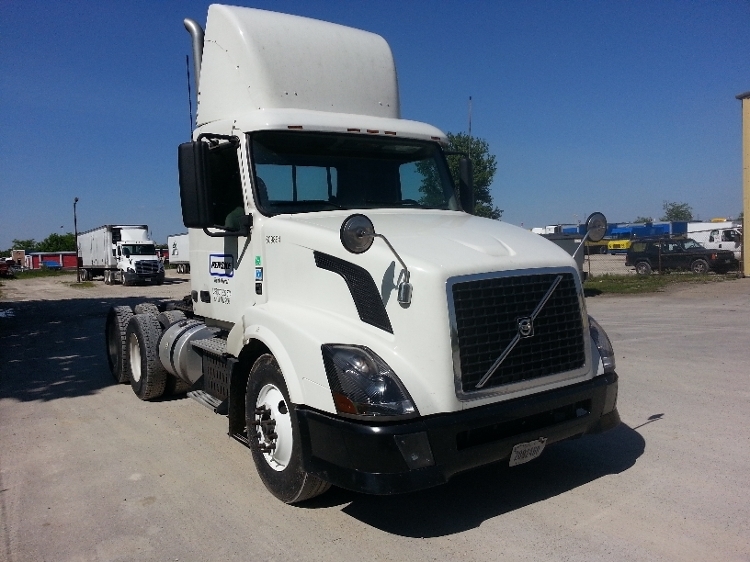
{"type": "Point", "coordinates": [665, 254]}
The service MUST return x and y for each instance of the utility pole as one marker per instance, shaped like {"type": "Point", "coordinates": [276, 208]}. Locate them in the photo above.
{"type": "Point", "coordinates": [75, 228]}
{"type": "Point", "coordinates": [745, 99]}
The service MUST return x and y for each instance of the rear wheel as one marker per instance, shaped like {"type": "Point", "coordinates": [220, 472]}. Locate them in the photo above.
{"type": "Point", "coordinates": [147, 376]}
{"type": "Point", "coordinates": [699, 266]}
{"type": "Point", "coordinates": [273, 435]}
{"type": "Point", "coordinates": [115, 335]}
{"type": "Point", "coordinates": [146, 308]}
{"type": "Point", "coordinates": [643, 268]}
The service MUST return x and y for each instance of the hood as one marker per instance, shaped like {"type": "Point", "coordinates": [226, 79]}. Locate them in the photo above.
{"type": "Point", "coordinates": [454, 242]}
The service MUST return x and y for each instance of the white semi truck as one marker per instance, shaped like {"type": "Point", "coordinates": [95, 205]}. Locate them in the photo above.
{"type": "Point", "coordinates": [357, 326]}
{"type": "Point", "coordinates": [120, 253]}
{"type": "Point", "coordinates": [179, 252]}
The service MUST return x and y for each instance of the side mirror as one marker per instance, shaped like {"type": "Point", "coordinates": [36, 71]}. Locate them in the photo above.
{"type": "Point", "coordinates": [466, 184]}
{"type": "Point", "coordinates": [596, 226]}
{"type": "Point", "coordinates": [357, 235]}
{"type": "Point", "coordinates": [194, 184]}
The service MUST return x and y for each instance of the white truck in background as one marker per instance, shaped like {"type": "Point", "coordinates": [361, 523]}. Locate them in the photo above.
{"type": "Point", "coordinates": [120, 253]}
{"type": "Point", "coordinates": [725, 235]}
{"type": "Point", "coordinates": [355, 324]}
{"type": "Point", "coordinates": [179, 252]}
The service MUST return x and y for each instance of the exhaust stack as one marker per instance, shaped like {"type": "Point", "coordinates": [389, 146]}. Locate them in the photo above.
{"type": "Point", "coordinates": [196, 32]}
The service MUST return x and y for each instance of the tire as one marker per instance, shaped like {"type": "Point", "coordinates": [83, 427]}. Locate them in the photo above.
{"type": "Point", "coordinates": [602, 249]}
{"type": "Point", "coordinates": [115, 337]}
{"type": "Point", "coordinates": [180, 268]}
{"type": "Point", "coordinates": [699, 266]}
{"type": "Point", "coordinates": [274, 437]}
{"type": "Point", "coordinates": [643, 268]}
{"type": "Point", "coordinates": [169, 317]}
{"type": "Point", "coordinates": [146, 308]}
{"type": "Point", "coordinates": [106, 277]}
{"type": "Point", "coordinates": [147, 376]}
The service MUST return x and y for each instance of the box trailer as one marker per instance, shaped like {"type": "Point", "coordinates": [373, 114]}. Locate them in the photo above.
{"type": "Point", "coordinates": [120, 253]}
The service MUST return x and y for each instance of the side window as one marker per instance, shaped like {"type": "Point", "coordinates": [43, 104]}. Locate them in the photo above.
{"type": "Point", "coordinates": [728, 235]}
{"type": "Point", "coordinates": [713, 236]}
{"type": "Point", "coordinates": [226, 184]}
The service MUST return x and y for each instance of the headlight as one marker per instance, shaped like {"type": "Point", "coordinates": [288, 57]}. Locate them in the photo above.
{"type": "Point", "coordinates": [601, 340]}
{"type": "Point", "coordinates": [363, 385]}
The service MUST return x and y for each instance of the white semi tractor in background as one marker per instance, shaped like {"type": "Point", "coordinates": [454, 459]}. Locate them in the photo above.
{"type": "Point", "coordinates": [179, 252]}
{"type": "Point", "coordinates": [355, 323]}
{"type": "Point", "coordinates": [121, 254]}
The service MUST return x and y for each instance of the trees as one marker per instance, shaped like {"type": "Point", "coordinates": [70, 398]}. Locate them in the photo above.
{"type": "Point", "coordinates": [674, 211]}
{"type": "Point", "coordinates": [484, 171]}
{"type": "Point", "coordinates": [643, 219]}
{"type": "Point", "coordinates": [53, 243]}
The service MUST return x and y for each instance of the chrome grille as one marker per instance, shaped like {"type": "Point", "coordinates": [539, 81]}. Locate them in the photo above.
{"type": "Point", "coordinates": [489, 313]}
{"type": "Point", "coordinates": [150, 267]}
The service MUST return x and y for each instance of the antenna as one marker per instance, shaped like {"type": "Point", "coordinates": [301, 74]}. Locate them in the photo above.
{"type": "Point", "coordinates": [469, 126]}
{"type": "Point", "coordinates": [190, 95]}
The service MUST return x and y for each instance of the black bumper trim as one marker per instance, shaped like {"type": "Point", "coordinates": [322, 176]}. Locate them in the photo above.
{"type": "Point", "coordinates": [365, 457]}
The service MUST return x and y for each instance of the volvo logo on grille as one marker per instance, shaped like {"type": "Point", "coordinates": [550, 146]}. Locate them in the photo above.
{"type": "Point", "coordinates": [526, 327]}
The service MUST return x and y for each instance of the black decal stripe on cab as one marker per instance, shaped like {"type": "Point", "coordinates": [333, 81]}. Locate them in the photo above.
{"type": "Point", "coordinates": [362, 287]}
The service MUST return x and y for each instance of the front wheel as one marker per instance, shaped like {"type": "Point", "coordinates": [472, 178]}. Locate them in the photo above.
{"type": "Point", "coordinates": [643, 268]}
{"type": "Point", "coordinates": [699, 266]}
{"type": "Point", "coordinates": [273, 435]}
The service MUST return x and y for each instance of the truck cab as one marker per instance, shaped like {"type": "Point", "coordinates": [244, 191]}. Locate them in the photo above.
{"type": "Point", "coordinates": [357, 325]}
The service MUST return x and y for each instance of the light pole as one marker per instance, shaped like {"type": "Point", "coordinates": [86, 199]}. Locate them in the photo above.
{"type": "Point", "coordinates": [75, 229]}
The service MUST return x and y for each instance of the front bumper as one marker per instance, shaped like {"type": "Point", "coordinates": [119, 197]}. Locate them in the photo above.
{"type": "Point", "coordinates": [132, 277]}
{"type": "Point", "coordinates": [391, 458]}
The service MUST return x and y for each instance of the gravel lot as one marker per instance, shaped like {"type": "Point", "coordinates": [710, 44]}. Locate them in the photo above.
{"type": "Point", "coordinates": [90, 473]}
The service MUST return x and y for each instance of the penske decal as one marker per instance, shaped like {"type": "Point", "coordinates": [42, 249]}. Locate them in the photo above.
{"type": "Point", "coordinates": [221, 265]}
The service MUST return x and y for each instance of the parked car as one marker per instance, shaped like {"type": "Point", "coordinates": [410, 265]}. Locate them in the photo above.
{"type": "Point", "coordinates": [667, 254]}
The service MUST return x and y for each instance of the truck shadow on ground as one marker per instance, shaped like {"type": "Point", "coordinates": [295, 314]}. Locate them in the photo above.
{"type": "Point", "coordinates": [55, 349]}
{"type": "Point", "coordinates": [473, 497]}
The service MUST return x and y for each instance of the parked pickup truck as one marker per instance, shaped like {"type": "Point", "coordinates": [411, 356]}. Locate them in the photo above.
{"type": "Point", "coordinates": [665, 254]}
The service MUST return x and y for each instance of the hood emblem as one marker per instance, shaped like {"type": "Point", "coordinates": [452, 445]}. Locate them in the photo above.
{"type": "Point", "coordinates": [525, 330]}
{"type": "Point", "coordinates": [526, 327]}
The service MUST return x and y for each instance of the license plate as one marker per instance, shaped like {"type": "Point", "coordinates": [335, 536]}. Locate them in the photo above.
{"type": "Point", "coordinates": [148, 279]}
{"type": "Point", "coordinates": [525, 452]}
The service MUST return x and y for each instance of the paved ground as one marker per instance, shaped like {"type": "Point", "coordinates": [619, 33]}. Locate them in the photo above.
{"type": "Point", "coordinates": [88, 472]}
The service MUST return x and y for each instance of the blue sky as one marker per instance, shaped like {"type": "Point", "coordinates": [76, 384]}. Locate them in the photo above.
{"type": "Point", "coordinates": [609, 105]}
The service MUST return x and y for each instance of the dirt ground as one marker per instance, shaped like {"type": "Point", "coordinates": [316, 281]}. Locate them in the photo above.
{"type": "Point", "coordinates": [63, 287]}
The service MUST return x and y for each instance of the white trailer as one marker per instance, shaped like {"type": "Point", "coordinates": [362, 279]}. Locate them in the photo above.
{"type": "Point", "coordinates": [725, 235]}
{"type": "Point", "coordinates": [120, 253]}
{"type": "Point", "coordinates": [356, 325]}
{"type": "Point", "coordinates": [179, 252]}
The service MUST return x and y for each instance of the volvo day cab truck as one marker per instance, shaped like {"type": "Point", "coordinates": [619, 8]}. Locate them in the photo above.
{"type": "Point", "coordinates": [357, 325]}
{"type": "Point", "coordinates": [121, 254]}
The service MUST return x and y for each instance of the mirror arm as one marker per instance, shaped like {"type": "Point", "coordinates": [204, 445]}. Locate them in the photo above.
{"type": "Point", "coordinates": [246, 227]}
{"type": "Point", "coordinates": [581, 245]}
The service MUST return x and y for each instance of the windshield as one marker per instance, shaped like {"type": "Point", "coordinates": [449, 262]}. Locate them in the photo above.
{"type": "Point", "coordinates": [299, 172]}
{"type": "Point", "coordinates": [138, 249]}
{"type": "Point", "coordinates": [691, 244]}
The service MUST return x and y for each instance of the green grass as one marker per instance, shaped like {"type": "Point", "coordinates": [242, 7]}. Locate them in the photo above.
{"type": "Point", "coordinates": [34, 273]}
{"type": "Point", "coordinates": [640, 284]}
